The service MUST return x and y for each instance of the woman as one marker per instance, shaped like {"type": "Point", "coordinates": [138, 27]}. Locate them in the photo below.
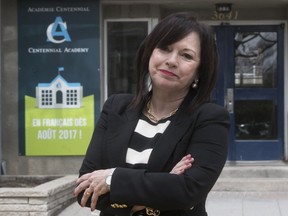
{"type": "Point", "coordinates": [140, 142]}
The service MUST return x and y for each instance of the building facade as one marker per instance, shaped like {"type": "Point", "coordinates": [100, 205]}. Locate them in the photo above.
{"type": "Point", "coordinates": [251, 38]}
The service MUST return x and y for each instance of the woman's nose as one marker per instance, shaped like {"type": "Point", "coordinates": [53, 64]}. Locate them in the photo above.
{"type": "Point", "coordinates": [172, 59]}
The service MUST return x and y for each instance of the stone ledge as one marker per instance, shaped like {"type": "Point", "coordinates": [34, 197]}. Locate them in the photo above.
{"type": "Point", "coordinates": [253, 179]}
{"type": "Point", "coordinates": [248, 194]}
{"type": "Point", "coordinates": [255, 171]}
{"type": "Point", "coordinates": [46, 199]}
{"type": "Point", "coordinates": [252, 184]}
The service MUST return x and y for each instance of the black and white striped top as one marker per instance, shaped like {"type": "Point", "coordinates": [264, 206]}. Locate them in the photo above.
{"type": "Point", "coordinates": [145, 137]}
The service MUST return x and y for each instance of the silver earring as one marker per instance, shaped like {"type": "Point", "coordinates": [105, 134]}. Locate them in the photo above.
{"type": "Point", "coordinates": [195, 84]}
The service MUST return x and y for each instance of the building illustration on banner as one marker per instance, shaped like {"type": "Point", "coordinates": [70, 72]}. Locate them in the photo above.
{"type": "Point", "coordinates": [59, 93]}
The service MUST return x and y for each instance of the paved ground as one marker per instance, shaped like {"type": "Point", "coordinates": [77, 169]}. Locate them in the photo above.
{"type": "Point", "coordinates": [224, 204]}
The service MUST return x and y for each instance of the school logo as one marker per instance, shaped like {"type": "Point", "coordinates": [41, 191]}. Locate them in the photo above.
{"type": "Point", "coordinates": [59, 93]}
{"type": "Point", "coordinates": [57, 32]}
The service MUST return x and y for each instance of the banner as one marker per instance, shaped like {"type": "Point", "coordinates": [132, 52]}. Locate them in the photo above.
{"type": "Point", "coordinates": [59, 78]}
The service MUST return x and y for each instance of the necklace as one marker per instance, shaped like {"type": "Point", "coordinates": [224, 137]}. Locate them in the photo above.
{"type": "Point", "coordinates": [152, 116]}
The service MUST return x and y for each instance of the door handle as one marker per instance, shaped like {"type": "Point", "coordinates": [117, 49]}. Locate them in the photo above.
{"type": "Point", "coordinates": [229, 100]}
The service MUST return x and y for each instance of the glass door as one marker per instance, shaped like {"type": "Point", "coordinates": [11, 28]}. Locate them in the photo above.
{"type": "Point", "coordinates": [122, 39]}
{"type": "Point", "coordinates": [250, 85]}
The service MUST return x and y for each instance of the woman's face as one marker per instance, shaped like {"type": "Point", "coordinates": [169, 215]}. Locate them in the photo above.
{"type": "Point", "coordinates": [175, 67]}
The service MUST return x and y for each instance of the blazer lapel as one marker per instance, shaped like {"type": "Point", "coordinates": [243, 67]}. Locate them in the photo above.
{"type": "Point", "coordinates": [171, 137]}
{"type": "Point", "coordinates": [167, 143]}
{"type": "Point", "coordinates": [120, 131]}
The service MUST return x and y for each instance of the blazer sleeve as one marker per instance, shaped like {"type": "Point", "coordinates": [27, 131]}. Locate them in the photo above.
{"type": "Point", "coordinates": [207, 142]}
{"type": "Point", "coordinates": [94, 158]}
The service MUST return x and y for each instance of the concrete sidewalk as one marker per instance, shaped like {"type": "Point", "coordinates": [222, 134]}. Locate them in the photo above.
{"type": "Point", "coordinates": [247, 204]}
{"type": "Point", "coordinates": [224, 204]}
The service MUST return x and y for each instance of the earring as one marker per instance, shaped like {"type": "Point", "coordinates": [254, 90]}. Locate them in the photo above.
{"type": "Point", "coordinates": [195, 84]}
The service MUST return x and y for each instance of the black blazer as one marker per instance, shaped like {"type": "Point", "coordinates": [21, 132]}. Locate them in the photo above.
{"type": "Point", "coordinates": [202, 133]}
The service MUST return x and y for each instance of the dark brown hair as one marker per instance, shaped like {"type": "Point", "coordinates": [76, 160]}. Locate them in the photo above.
{"type": "Point", "coordinates": [172, 29]}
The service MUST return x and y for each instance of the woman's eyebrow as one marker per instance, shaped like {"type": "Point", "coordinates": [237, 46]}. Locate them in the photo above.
{"type": "Point", "coordinates": [192, 50]}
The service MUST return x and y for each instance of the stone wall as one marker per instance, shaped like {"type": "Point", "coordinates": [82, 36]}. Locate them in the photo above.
{"type": "Point", "coordinates": [47, 199]}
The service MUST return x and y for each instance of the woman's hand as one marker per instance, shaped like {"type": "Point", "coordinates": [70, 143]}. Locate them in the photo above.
{"type": "Point", "coordinates": [182, 165]}
{"type": "Point", "coordinates": [94, 184]}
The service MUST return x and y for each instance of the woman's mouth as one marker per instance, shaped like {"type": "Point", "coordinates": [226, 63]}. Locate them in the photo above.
{"type": "Point", "coordinates": [167, 73]}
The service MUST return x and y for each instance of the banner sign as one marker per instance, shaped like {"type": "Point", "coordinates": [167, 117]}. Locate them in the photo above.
{"type": "Point", "coordinates": [59, 78]}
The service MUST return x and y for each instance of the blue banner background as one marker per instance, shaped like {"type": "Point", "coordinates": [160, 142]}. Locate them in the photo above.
{"type": "Point", "coordinates": [82, 20]}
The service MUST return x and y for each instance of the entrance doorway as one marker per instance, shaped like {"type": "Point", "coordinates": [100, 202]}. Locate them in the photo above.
{"type": "Point", "coordinates": [250, 86]}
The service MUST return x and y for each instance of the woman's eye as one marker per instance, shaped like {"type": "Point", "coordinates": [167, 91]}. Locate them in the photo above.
{"type": "Point", "coordinates": [187, 56]}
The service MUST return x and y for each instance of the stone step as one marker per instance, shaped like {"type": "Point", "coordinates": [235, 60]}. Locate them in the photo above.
{"type": "Point", "coordinates": [255, 171]}
{"type": "Point", "coordinates": [251, 184]}
{"type": "Point", "coordinates": [257, 179]}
